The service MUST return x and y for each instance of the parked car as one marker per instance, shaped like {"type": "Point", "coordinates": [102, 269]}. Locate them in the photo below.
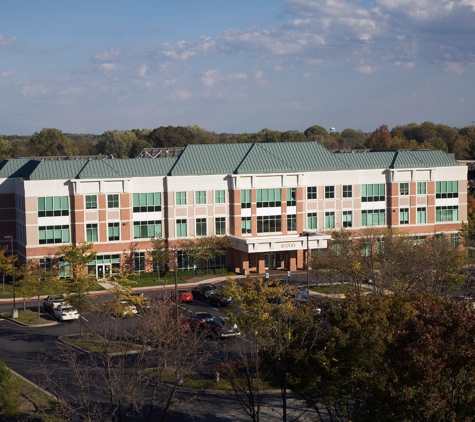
{"type": "Point", "coordinates": [185, 296]}
{"type": "Point", "coordinates": [123, 308]}
{"type": "Point", "coordinates": [197, 319]}
{"type": "Point", "coordinates": [218, 327]}
{"type": "Point", "coordinates": [202, 291]}
{"type": "Point", "coordinates": [52, 302]}
{"type": "Point", "coordinates": [65, 313]}
{"type": "Point", "coordinates": [218, 299]}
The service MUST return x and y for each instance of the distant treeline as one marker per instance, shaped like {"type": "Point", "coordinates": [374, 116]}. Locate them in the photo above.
{"type": "Point", "coordinates": [129, 143]}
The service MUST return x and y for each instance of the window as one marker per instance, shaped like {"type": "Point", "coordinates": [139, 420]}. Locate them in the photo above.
{"type": "Point", "coordinates": [269, 224]}
{"type": "Point", "coordinates": [291, 197]}
{"type": "Point", "coordinates": [46, 264]}
{"type": "Point", "coordinates": [180, 198]}
{"type": "Point", "coordinates": [454, 239]}
{"type": "Point", "coordinates": [64, 269]}
{"type": "Point", "coordinates": [347, 219]}
{"type": "Point", "coordinates": [267, 198]}
{"type": "Point", "coordinates": [113, 231]}
{"type": "Point", "coordinates": [200, 197]}
{"type": "Point", "coordinates": [201, 227]}
{"type": "Point", "coordinates": [312, 192]}
{"type": "Point", "coordinates": [220, 225]}
{"type": "Point", "coordinates": [147, 229]}
{"type": "Point", "coordinates": [329, 191]}
{"type": "Point", "coordinates": [373, 218]}
{"type": "Point", "coordinates": [139, 262]}
{"type": "Point", "coordinates": [246, 198]}
{"type": "Point", "coordinates": [219, 196]}
{"type": "Point", "coordinates": [419, 240]}
{"type": "Point", "coordinates": [147, 202]}
{"type": "Point", "coordinates": [447, 189]}
{"type": "Point", "coordinates": [246, 227]}
{"type": "Point", "coordinates": [421, 215]}
{"type": "Point", "coordinates": [421, 188]}
{"type": "Point", "coordinates": [404, 216]}
{"type": "Point", "coordinates": [181, 228]}
{"type": "Point", "coordinates": [113, 201]}
{"type": "Point", "coordinates": [312, 221]}
{"type": "Point", "coordinates": [347, 191]}
{"type": "Point", "coordinates": [403, 188]}
{"type": "Point", "coordinates": [447, 213]}
{"type": "Point", "coordinates": [92, 234]}
{"type": "Point", "coordinates": [91, 202]}
{"type": "Point", "coordinates": [373, 193]}
{"type": "Point", "coordinates": [291, 223]}
{"type": "Point", "coordinates": [53, 206]}
{"type": "Point", "coordinates": [330, 220]}
{"type": "Point", "coordinates": [53, 234]}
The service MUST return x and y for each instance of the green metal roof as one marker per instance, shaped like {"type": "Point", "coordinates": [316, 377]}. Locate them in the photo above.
{"type": "Point", "coordinates": [257, 158]}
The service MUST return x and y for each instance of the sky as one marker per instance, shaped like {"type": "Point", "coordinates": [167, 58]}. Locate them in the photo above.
{"type": "Point", "coordinates": [235, 66]}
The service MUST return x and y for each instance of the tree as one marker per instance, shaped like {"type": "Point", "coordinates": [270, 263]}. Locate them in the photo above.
{"type": "Point", "coordinates": [160, 254]}
{"type": "Point", "coordinates": [51, 142]}
{"type": "Point", "coordinates": [430, 363]}
{"type": "Point", "coordinates": [316, 133]}
{"type": "Point", "coordinates": [192, 248]}
{"type": "Point", "coordinates": [380, 138]}
{"type": "Point", "coordinates": [116, 143]}
{"type": "Point", "coordinates": [6, 264]}
{"type": "Point", "coordinates": [172, 137]}
{"type": "Point", "coordinates": [5, 149]}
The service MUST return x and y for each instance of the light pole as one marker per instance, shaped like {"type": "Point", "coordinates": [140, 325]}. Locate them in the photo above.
{"type": "Point", "coordinates": [14, 310]}
{"type": "Point", "coordinates": [307, 234]}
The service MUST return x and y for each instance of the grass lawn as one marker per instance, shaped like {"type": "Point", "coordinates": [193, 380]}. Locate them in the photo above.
{"type": "Point", "coordinates": [95, 344]}
{"type": "Point", "coordinates": [35, 405]}
{"type": "Point", "coordinates": [151, 279]}
{"type": "Point", "coordinates": [30, 317]}
{"type": "Point", "coordinates": [337, 289]}
{"type": "Point", "coordinates": [199, 383]}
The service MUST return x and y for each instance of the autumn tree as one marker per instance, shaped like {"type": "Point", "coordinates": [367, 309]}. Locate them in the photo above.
{"type": "Point", "coordinates": [430, 363]}
{"type": "Point", "coordinates": [51, 142]}
{"type": "Point", "coordinates": [160, 254]}
{"type": "Point", "coordinates": [6, 264]}
{"type": "Point", "coordinates": [380, 138]}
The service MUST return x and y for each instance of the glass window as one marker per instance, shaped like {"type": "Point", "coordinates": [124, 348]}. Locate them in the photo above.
{"type": "Point", "coordinates": [113, 231]}
{"type": "Point", "coordinates": [139, 262]}
{"type": "Point", "coordinates": [246, 227]}
{"type": "Point", "coordinates": [330, 220]}
{"type": "Point", "coordinates": [246, 198]}
{"type": "Point", "coordinates": [53, 234]}
{"type": "Point", "coordinates": [267, 198]}
{"type": "Point", "coordinates": [421, 188]}
{"type": "Point", "coordinates": [291, 197]}
{"type": "Point", "coordinates": [219, 196]}
{"type": "Point", "coordinates": [53, 206]}
{"type": "Point", "coordinates": [181, 228]}
{"type": "Point", "coordinates": [373, 193]}
{"type": "Point", "coordinates": [421, 215]}
{"type": "Point", "coordinates": [447, 189]}
{"type": "Point", "coordinates": [201, 227]}
{"type": "Point", "coordinates": [92, 234]}
{"type": "Point", "coordinates": [64, 269]}
{"type": "Point", "coordinates": [291, 223]}
{"type": "Point", "coordinates": [269, 224]}
{"type": "Point", "coordinates": [180, 198]}
{"type": "Point", "coordinates": [91, 202]}
{"type": "Point", "coordinates": [419, 240]}
{"type": "Point", "coordinates": [404, 216]}
{"type": "Point", "coordinates": [373, 217]}
{"type": "Point", "coordinates": [329, 191]}
{"type": "Point", "coordinates": [454, 239]}
{"type": "Point", "coordinates": [347, 219]}
{"type": "Point", "coordinates": [347, 191]}
{"type": "Point", "coordinates": [147, 229]}
{"type": "Point", "coordinates": [113, 201]}
{"type": "Point", "coordinates": [447, 213]}
{"type": "Point", "coordinates": [403, 188]}
{"type": "Point", "coordinates": [200, 197]}
{"type": "Point", "coordinates": [220, 225]}
{"type": "Point", "coordinates": [312, 192]}
{"type": "Point", "coordinates": [147, 202]}
{"type": "Point", "coordinates": [312, 221]}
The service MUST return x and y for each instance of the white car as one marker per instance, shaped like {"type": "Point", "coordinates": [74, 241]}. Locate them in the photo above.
{"type": "Point", "coordinates": [127, 308]}
{"type": "Point", "coordinates": [65, 313]}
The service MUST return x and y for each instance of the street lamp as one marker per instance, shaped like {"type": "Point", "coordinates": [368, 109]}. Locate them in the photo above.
{"type": "Point", "coordinates": [307, 234]}
{"type": "Point", "coordinates": [14, 310]}
{"type": "Point", "coordinates": [175, 266]}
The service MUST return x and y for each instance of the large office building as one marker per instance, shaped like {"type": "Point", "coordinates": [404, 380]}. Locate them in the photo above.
{"type": "Point", "coordinates": [274, 201]}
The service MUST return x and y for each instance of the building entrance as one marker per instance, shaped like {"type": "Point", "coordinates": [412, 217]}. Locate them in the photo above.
{"type": "Point", "coordinates": [273, 260]}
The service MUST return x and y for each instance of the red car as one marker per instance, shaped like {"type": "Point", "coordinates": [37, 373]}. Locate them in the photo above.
{"type": "Point", "coordinates": [185, 296]}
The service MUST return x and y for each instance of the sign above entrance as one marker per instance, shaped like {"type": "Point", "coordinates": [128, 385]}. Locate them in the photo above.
{"type": "Point", "coordinates": [276, 244]}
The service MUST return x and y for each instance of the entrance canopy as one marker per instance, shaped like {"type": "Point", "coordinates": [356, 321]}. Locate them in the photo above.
{"type": "Point", "coordinates": [280, 243]}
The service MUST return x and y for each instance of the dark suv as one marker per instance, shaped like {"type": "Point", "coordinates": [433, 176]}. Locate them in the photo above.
{"type": "Point", "coordinates": [202, 291]}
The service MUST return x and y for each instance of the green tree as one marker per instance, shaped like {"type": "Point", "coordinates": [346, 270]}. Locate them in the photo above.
{"type": "Point", "coordinates": [316, 133]}
{"type": "Point", "coordinates": [5, 149]}
{"type": "Point", "coordinates": [431, 361]}
{"type": "Point", "coordinates": [116, 143]}
{"type": "Point", "coordinates": [51, 142]}
{"type": "Point", "coordinates": [170, 136]}
{"type": "Point", "coordinates": [160, 254]}
{"type": "Point", "coordinates": [6, 264]}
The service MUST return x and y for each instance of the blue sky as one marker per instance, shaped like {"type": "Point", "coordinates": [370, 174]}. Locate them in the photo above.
{"type": "Point", "coordinates": [228, 66]}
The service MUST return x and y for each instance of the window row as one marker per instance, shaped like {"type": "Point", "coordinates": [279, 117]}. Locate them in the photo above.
{"type": "Point", "coordinates": [200, 197]}
{"type": "Point", "coordinates": [444, 213]}
{"type": "Point", "coordinates": [346, 192]}
{"type": "Point", "coordinates": [53, 206]}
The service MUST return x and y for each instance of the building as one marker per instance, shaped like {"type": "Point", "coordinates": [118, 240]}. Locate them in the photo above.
{"type": "Point", "coordinates": [274, 200]}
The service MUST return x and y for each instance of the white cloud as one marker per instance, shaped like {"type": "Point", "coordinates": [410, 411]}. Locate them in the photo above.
{"type": "Point", "coordinates": [4, 42]}
{"type": "Point", "coordinates": [181, 94]}
{"type": "Point", "coordinates": [453, 67]}
{"type": "Point", "coordinates": [366, 69]}
{"type": "Point", "coordinates": [211, 77]}
{"type": "Point", "coordinates": [404, 65]}
{"type": "Point", "coordinates": [6, 73]}
{"type": "Point", "coordinates": [142, 70]}
{"type": "Point", "coordinates": [108, 55]}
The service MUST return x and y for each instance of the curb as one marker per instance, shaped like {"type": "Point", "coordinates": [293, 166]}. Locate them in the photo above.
{"type": "Point", "coordinates": [21, 324]}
